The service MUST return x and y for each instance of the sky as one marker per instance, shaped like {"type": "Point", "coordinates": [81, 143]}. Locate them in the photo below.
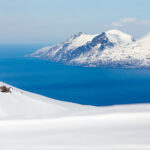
{"type": "Point", "coordinates": [52, 21]}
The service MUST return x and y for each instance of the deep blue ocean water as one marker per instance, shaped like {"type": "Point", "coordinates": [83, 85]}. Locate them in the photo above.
{"type": "Point", "coordinates": [90, 86]}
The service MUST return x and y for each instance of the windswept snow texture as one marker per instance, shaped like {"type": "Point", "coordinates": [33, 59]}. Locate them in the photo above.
{"type": "Point", "coordinates": [108, 49]}
{"type": "Point", "coordinates": [33, 122]}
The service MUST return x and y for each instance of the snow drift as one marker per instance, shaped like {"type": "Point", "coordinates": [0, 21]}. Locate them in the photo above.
{"type": "Point", "coordinates": [34, 122]}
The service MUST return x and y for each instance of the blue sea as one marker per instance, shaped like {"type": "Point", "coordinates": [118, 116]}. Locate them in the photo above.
{"type": "Point", "coordinates": [89, 86]}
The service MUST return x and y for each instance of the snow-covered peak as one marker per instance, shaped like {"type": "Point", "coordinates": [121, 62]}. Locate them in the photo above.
{"type": "Point", "coordinates": [78, 34]}
{"type": "Point", "coordinates": [79, 40]}
{"type": "Point", "coordinates": [146, 38]}
{"type": "Point", "coordinates": [111, 48]}
{"type": "Point", "coordinates": [119, 37]}
{"type": "Point", "coordinates": [72, 43]}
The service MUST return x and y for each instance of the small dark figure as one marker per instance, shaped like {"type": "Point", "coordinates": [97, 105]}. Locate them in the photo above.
{"type": "Point", "coordinates": [4, 89]}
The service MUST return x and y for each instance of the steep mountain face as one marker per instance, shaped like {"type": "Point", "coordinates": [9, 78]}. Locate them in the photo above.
{"type": "Point", "coordinates": [112, 48]}
{"type": "Point", "coordinates": [63, 51]}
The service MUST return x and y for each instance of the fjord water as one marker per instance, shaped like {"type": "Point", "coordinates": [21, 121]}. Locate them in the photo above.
{"type": "Point", "coordinates": [90, 86]}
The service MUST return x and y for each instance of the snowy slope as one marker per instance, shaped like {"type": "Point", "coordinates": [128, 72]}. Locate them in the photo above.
{"type": "Point", "coordinates": [57, 52]}
{"type": "Point", "coordinates": [119, 37]}
{"type": "Point", "coordinates": [112, 48]}
{"type": "Point", "coordinates": [20, 104]}
{"type": "Point", "coordinates": [32, 122]}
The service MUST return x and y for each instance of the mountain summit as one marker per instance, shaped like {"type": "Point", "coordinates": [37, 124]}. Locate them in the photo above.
{"type": "Point", "coordinates": [112, 48]}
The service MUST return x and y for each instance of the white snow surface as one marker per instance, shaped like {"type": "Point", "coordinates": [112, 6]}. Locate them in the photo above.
{"type": "Point", "coordinates": [119, 37]}
{"type": "Point", "coordinates": [32, 122]}
{"type": "Point", "coordinates": [80, 40]}
{"type": "Point", "coordinates": [125, 52]}
{"type": "Point", "coordinates": [72, 43]}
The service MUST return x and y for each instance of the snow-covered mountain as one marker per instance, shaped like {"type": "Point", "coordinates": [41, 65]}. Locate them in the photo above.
{"type": "Point", "coordinates": [32, 122]}
{"type": "Point", "coordinates": [112, 48]}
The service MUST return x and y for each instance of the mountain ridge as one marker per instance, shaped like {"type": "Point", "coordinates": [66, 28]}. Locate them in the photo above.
{"type": "Point", "coordinates": [112, 48]}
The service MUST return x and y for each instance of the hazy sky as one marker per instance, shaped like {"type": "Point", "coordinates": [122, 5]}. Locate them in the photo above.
{"type": "Point", "coordinates": [51, 21]}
